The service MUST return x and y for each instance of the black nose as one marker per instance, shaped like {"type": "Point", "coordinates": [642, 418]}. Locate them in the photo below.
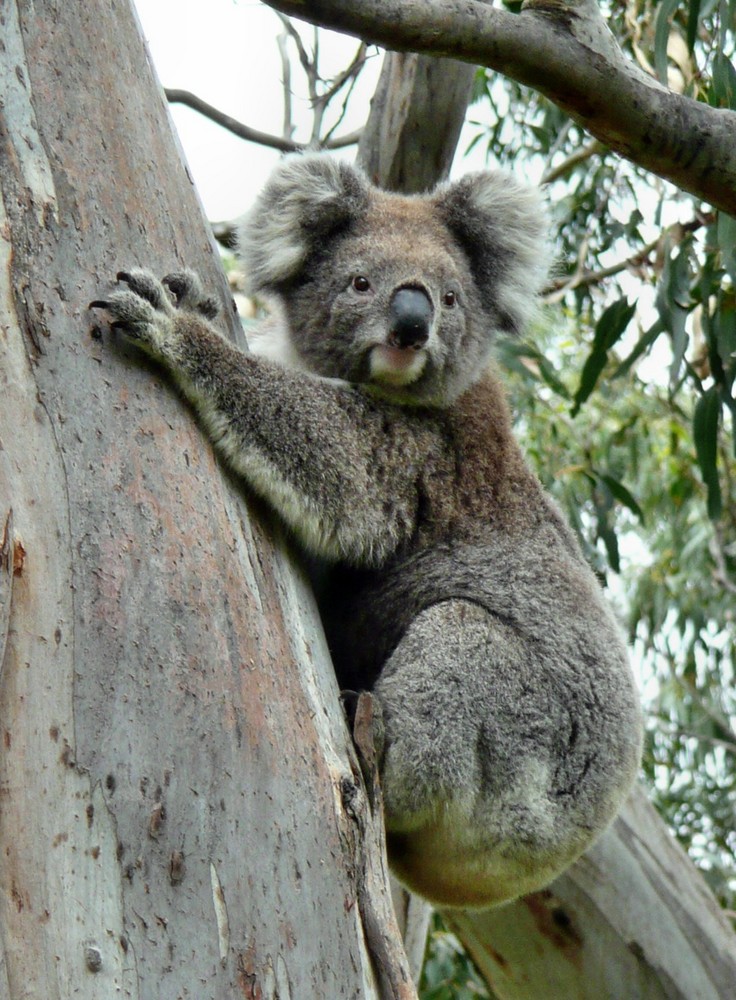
{"type": "Point", "coordinates": [409, 316]}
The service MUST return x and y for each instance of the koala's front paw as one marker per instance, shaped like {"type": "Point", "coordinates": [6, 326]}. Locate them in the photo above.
{"type": "Point", "coordinates": [144, 311]}
{"type": "Point", "coordinates": [188, 293]}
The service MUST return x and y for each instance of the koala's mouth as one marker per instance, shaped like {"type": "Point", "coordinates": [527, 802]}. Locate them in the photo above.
{"type": "Point", "coordinates": [391, 365]}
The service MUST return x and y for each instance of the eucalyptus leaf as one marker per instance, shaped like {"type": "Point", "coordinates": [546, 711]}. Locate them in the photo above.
{"type": "Point", "coordinates": [622, 495]}
{"type": "Point", "coordinates": [705, 432]}
{"type": "Point", "coordinates": [724, 82]}
{"type": "Point", "coordinates": [726, 235]}
{"type": "Point", "coordinates": [662, 27]}
{"type": "Point", "coordinates": [693, 16]}
{"type": "Point", "coordinates": [608, 331]}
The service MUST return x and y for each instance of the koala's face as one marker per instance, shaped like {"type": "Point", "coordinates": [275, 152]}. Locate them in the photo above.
{"type": "Point", "coordinates": [391, 303]}
{"type": "Point", "coordinates": [402, 294]}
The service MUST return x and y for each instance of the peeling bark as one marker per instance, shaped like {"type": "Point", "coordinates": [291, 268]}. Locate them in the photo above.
{"type": "Point", "coordinates": [172, 748]}
{"type": "Point", "coordinates": [565, 51]}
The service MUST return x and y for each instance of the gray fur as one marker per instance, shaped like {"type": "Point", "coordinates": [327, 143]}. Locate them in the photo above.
{"type": "Point", "coordinates": [456, 592]}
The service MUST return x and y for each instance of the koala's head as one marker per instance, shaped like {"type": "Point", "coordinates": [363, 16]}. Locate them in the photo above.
{"type": "Point", "coordinates": [402, 294]}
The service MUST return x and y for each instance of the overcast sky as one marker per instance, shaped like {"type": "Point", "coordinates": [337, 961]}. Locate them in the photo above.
{"type": "Point", "coordinates": [225, 51]}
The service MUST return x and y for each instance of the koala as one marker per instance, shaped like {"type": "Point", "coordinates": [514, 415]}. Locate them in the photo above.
{"type": "Point", "coordinates": [372, 421]}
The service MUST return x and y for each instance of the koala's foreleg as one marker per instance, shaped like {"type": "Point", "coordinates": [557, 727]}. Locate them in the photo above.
{"type": "Point", "coordinates": [320, 453]}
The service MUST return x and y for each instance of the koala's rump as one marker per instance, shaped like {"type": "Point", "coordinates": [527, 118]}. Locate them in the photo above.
{"type": "Point", "coordinates": [549, 633]}
{"type": "Point", "coordinates": [512, 724]}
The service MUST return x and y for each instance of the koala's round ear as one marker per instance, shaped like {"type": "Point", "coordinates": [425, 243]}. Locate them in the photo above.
{"type": "Point", "coordinates": [307, 198]}
{"type": "Point", "coordinates": [502, 226]}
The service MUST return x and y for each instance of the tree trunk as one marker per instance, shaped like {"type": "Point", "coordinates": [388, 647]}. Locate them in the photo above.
{"type": "Point", "coordinates": [181, 814]}
{"type": "Point", "coordinates": [417, 112]}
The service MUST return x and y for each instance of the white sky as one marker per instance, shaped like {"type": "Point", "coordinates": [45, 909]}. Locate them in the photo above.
{"type": "Point", "coordinates": [225, 52]}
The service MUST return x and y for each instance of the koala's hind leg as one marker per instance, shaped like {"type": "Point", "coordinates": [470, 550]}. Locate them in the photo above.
{"type": "Point", "coordinates": [468, 768]}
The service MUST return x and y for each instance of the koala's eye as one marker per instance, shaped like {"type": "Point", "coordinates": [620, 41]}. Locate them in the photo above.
{"type": "Point", "coordinates": [449, 298]}
{"type": "Point", "coordinates": [360, 283]}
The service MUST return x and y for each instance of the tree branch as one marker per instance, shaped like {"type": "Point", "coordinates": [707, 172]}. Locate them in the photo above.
{"type": "Point", "coordinates": [581, 277]}
{"type": "Point", "coordinates": [174, 96]}
{"type": "Point", "coordinates": [579, 156]}
{"type": "Point", "coordinates": [348, 74]}
{"type": "Point", "coordinates": [565, 51]}
{"type": "Point", "coordinates": [304, 58]}
{"type": "Point", "coordinates": [287, 129]}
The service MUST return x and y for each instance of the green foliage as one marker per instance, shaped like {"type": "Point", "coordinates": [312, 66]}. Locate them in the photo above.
{"type": "Point", "coordinates": [448, 972]}
{"type": "Point", "coordinates": [705, 431]}
{"type": "Point", "coordinates": [608, 330]}
{"type": "Point", "coordinates": [662, 28]}
{"type": "Point", "coordinates": [688, 44]}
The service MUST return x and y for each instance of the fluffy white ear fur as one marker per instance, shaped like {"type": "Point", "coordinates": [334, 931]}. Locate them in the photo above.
{"type": "Point", "coordinates": [503, 226]}
{"type": "Point", "coordinates": [308, 196]}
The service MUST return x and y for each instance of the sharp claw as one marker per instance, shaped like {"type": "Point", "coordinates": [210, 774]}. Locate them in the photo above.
{"type": "Point", "coordinates": [174, 285]}
{"type": "Point", "coordinates": [123, 276]}
{"type": "Point", "coordinates": [98, 304]}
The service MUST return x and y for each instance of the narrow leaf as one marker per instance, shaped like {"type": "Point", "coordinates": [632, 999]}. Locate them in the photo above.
{"type": "Point", "coordinates": [641, 347]}
{"type": "Point", "coordinates": [693, 16]}
{"type": "Point", "coordinates": [608, 330]}
{"type": "Point", "coordinates": [673, 301]}
{"type": "Point", "coordinates": [726, 235]}
{"type": "Point", "coordinates": [610, 541]}
{"type": "Point", "coordinates": [623, 496]}
{"type": "Point", "coordinates": [724, 82]}
{"type": "Point", "coordinates": [705, 433]}
{"type": "Point", "coordinates": [661, 37]}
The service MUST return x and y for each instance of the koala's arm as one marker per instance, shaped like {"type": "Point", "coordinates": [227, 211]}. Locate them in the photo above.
{"type": "Point", "coordinates": [324, 455]}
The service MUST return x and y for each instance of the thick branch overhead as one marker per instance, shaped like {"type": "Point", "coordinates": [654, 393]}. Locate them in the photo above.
{"type": "Point", "coordinates": [566, 52]}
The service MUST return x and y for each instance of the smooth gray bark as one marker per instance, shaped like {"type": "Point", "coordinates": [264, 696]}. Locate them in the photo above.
{"type": "Point", "coordinates": [181, 812]}
{"type": "Point", "coordinates": [565, 51]}
{"type": "Point", "coordinates": [408, 143]}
